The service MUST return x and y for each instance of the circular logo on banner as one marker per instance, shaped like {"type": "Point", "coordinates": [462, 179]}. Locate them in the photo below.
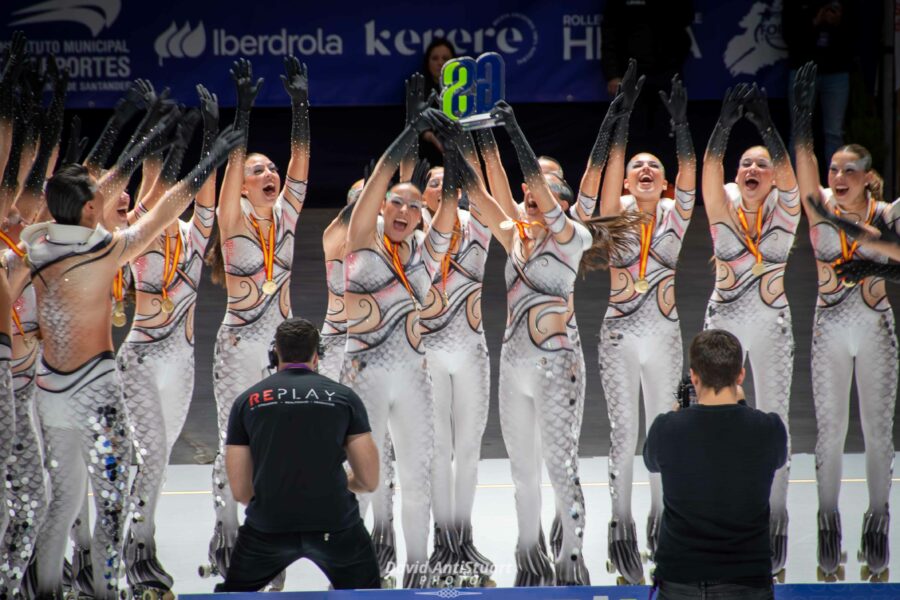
{"type": "Point", "coordinates": [516, 37]}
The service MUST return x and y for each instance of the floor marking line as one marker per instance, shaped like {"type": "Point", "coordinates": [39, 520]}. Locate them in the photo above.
{"type": "Point", "coordinates": [504, 486]}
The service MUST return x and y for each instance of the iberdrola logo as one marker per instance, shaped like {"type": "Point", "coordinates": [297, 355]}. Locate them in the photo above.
{"type": "Point", "coordinates": [180, 43]}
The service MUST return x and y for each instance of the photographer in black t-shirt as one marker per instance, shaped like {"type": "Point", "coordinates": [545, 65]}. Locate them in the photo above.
{"type": "Point", "coordinates": [717, 459]}
{"type": "Point", "coordinates": [288, 437]}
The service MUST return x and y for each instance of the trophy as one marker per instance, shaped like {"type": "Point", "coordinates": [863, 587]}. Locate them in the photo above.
{"type": "Point", "coordinates": [470, 88]}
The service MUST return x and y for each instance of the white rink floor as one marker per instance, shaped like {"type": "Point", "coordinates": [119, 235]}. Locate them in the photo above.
{"type": "Point", "coordinates": [185, 521]}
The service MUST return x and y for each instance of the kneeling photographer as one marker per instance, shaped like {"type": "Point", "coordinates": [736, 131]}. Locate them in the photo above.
{"type": "Point", "coordinates": [288, 437]}
{"type": "Point", "coordinates": [717, 459]}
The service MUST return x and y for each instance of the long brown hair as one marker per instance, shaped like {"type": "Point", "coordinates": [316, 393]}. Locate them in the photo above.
{"type": "Point", "coordinates": [612, 237]}
{"type": "Point", "coordinates": [214, 258]}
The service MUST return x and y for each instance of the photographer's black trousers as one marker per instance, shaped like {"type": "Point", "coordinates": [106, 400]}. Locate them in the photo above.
{"type": "Point", "coordinates": [347, 558]}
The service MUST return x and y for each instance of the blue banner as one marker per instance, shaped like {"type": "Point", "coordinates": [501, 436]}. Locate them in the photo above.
{"type": "Point", "coordinates": [830, 591]}
{"type": "Point", "coordinates": [359, 52]}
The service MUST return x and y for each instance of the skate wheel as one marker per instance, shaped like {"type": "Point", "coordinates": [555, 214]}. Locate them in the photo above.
{"type": "Point", "coordinates": [621, 581]}
{"type": "Point", "coordinates": [388, 582]}
{"type": "Point", "coordinates": [864, 572]}
{"type": "Point", "coordinates": [610, 568]}
{"type": "Point", "coordinates": [488, 583]}
{"type": "Point", "coordinates": [150, 595]}
{"type": "Point", "coordinates": [779, 576]}
{"type": "Point", "coordinates": [883, 576]}
{"type": "Point", "coordinates": [838, 575]}
{"type": "Point", "coordinates": [206, 571]}
{"type": "Point", "coordinates": [843, 558]}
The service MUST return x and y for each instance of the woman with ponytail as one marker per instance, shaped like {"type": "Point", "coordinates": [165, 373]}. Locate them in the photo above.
{"type": "Point", "coordinates": [640, 340]}
{"type": "Point", "coordinates": [853, 332]}
{"type": "Point", "coordinates": [256, 222]}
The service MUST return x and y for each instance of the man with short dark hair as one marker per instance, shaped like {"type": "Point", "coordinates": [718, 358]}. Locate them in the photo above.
{"type": "Point", "coordinates": [73, 262]}
{"type": "Point", "coordinates": [717, 460]}
{"type": "Point", "coordinates": [288, 437]}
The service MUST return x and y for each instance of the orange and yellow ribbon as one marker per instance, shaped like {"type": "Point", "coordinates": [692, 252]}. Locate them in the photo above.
{"type": "Point", "coordinates": [646, 240]}
{"type": "Point", "coordinates": [268, 247]}
{"type": "Point", "coordinates": [752, 242]}
{"type": "Point", "coordinates": [394, 250]}
{"type": "Point", "coordinates": [169, 272]}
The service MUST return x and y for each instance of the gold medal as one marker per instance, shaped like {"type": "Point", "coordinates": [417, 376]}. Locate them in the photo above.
{"type": "Point", "coordinates": [641, 286]}
{"type": "Point", "coordinates": [848, 283]}
{"type": "Point", "coordinates": [167, 305]}
{"type": "Point", "coordinates": [269, 287]}
{"type": "Point", "coordinates": [118, 318]}
{"type": "Point", "coordinates": [758, 269]}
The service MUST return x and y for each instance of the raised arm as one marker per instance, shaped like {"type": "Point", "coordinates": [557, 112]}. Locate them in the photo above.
{"type": "Point", "coordinates": [205, 203]}
{"type": "Point", "coordinates": [171, 166]}
{"type": "Point", "coordinates": [676, 104]}
{"type": "Point", "coordinates": [440, 233]}
{"type": "Point", "coordinates": [296, 83]}
{"type": "Point", "coordinates": [136, 237]}
{"type": "Point", "coordinates": [713, 182]}
{"type": "Point", "coordinates": [31, 199]}
{"type": "Point", "coordinates": [756, 109]}
{"type": "Point", "coordinates": [611, 193]}
{"type": "Point", "coordinates": [486, 209]}
{"type": "Point", "coordinates": [8, 81]}
{"type": "Point", "coordinates": [803, 98]}
{"type": "Point", "coordinates": [116, 179]}
{"type": "Point", "coordinates": [415, 96]}
{"type": "Point", "coordinates": [497, 180]}
{"type": "Point", "coordinates": [229, 211]}
{"type": "Point", "coordinates": [9, 185]}
{"type": "Point", "coordinates": [590, 181]}
{"type": "Point", "coordinates": [361, 231]}
{"type": "Point", "coordinates": [125, 109]}
{"type": "Point", "coordinates": [31, 92]}
{"type": "Point", "coordinates": [557, 222]}
{"type": "Point", "coordinates": [76, 144]}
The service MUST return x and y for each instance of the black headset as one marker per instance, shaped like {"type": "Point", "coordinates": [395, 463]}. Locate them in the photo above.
{"type": "Point", "coordinates": [273, 355]}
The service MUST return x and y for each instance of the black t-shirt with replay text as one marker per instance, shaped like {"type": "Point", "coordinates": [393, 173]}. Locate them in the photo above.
{"type": "Point", "coordinates": [296, 423]}
{"type": "Point", "coordinates": [717, 464]}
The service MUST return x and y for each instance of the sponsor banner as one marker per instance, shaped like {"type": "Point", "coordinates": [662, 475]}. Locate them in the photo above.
{"type": "Point", "coordinates": [829, 591]}
{"type": "Point", "coordinates": [360, 55]}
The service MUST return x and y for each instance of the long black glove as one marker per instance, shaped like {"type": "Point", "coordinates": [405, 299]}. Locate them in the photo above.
{"type": "Point", "coordinates": [629, 90]}
{"type": "Point", "coordinates": [52, 127]}
{"type": "Point", "coordinates": [209, 111]}
{"type": "Point", "coordinates": [731, 112]}
{"type": "Point", "coordinates": [125, 109]}
{"type": "Point", "coordinates": [803, 100]}
{"type": "Point", "coordinates": [531, 169]}
{"type": "Point", "coordinates": [296, 84]}
{"type": "Point", "coordinates": [183, 133]}
{"type": "Point", "coordinates": [12, 71]}
{"type": "Point", "coordinates": [156, 140]}
{"type": "Point", "coordinates": [756, 109]}
{"type": "Point", "coordinates": [855, 271]}
{"type": "Point", "coordinates": [77, 144]}
{"type": "Point", "coordinates": [227, 141]}
{"type": "Point", "coordinates": [242, 75]}
{"type": "Point", "coordinates": [676, 104]}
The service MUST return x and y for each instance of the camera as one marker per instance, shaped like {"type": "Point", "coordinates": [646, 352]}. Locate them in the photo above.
{"type": "Point", "coordinates": [687, 393]}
